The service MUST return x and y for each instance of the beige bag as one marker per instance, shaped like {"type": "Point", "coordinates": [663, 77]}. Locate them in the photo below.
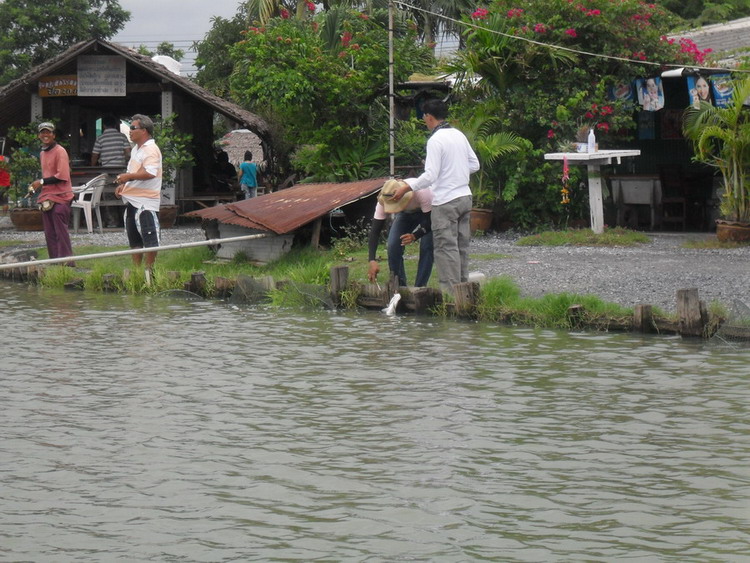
{"type": "Point", "coordinates": [46, 205]}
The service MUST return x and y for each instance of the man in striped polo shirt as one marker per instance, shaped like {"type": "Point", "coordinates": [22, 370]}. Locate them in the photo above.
{"type": "Point", "coordinates": [111, 148]}
{"type": "Point", "coordinates": [140, 189]}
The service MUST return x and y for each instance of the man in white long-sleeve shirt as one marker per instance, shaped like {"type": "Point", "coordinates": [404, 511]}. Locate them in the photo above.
{"type": "Point", "coordinates": [449, 163]}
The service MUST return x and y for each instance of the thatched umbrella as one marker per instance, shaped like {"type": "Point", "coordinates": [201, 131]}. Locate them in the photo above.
{"type": "Point", "coordinates": [236, 142]}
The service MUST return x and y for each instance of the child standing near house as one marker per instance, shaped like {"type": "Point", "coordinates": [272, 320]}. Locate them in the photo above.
{"type": "Point", "coordinates": [248, 176]}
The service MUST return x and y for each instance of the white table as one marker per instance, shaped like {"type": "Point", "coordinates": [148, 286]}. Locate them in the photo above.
{"type": "Point", "coordinates": [594, 161]}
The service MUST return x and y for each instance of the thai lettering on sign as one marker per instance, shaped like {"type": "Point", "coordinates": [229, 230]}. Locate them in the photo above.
{"type": "Point", "coordinates": [61, 85]}
{"type": "Point", "coordinates": [101, 76]}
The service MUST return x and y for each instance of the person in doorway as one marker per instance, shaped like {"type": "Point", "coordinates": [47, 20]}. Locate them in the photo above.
{"type": "Point", "coordinates": [140, 189]}
{"type": "Point", "coordinates": [111, 148]}
{"type": "Point", "coordinates": [248, 176]}
{"type": "Point", "coordinates": [56, 193]}
{"type": "Point", "coordinates": [224, 173]}
{"type": "Point", "coordinates": [449, 163]}
{"type": "Point", "coordinates": [411, 222]}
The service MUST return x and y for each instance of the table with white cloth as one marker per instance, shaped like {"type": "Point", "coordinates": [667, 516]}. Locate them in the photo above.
{"type": "Point", "coordinates": [594, 161]}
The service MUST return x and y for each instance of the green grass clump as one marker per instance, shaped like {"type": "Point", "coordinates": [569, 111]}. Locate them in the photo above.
{"type": "Point", "coordinates": [306, 266]}
{"type": "Point", "coordinates": [501, 301]}
{"type": "Point", "coordinates": [4, 243]}
{"type": "Point", "coordinates": [585, 237]}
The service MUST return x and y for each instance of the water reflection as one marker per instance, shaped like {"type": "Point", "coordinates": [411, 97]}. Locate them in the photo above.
{"type": "Point", "coordinates": [165, 429]}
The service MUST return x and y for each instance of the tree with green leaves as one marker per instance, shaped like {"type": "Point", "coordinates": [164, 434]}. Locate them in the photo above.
{"type": "Point", "coordinates": [33, 31]}
{"type": "Point", "coordinates": [321, 81]}
{"type": "Point", "coordinates": [211, 60]}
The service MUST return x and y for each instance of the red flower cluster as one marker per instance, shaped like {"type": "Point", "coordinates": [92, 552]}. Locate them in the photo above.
{"type": "Point", "coordinates": [571, 32]}
{"type": "Point", "coordinates": [601, 111]}
{"type": "Point", "coordinates": [480, 14]}
{"type": "Point", "coordinates": [515, 13]}
{"type": "Point", "coordinates": [582, 8]}
{"type": "Point", "coordinates": [284, 13]}
{"type": "Point", "coordinates": [638, 55]}
{"type": "Point", "coordinates": [310, 6]}
{"type": "Point", "coordinates": [540, 28]}
{"type": "Point", "coordinates": [346, 38]}
{"type": "Point", "coordinates": [688, 46]}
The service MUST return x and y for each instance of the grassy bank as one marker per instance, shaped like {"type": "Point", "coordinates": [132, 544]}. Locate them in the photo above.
{"type": "Point", "coordinates": [303, 270]}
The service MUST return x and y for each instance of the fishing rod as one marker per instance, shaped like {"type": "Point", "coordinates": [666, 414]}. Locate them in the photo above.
{"type": "Point", "coordinates": [208, 242]}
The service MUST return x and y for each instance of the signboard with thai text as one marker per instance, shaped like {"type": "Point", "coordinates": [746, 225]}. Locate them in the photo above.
{"type": "Point", "coordinates": [61, 85]}
{"type": "Point", "coordinates": [101, 76]}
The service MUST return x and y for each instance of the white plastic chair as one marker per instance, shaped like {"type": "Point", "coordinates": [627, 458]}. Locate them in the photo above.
{"type": "Point", "coordinates": [88, 197]}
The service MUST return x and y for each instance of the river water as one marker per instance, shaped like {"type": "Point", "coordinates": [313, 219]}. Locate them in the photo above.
{"type": "Point", "coordinates": [168, 429]}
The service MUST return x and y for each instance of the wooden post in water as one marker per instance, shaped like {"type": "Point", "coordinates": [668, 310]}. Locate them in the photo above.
{"type": "Point", "coordinates": [197, 283]}
{"type": "Point", "coordinates": [339, 280]}
{"type": "Point", "coordinates": [691, 313]}
{"type": "Point", "coordinates": [466, 295]}
{"type": "Point", "coordinates": [575, 315]}
{"type": "Point", "coordinates": [76, 284]}
{"type": "Point", "coordinates": [108, 283]}
{"type": "Point", "coordinates": [426, 298]}
{"type": "Point", "coordinates": [223, 287]}
{"type": "Point", "coordinates": [643, 318]}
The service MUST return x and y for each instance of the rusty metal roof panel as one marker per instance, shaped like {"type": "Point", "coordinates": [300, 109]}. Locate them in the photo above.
{"type": "Point", "coordinates": [224, 215]}
{"type": "Point", "coordinates": [287, 210]}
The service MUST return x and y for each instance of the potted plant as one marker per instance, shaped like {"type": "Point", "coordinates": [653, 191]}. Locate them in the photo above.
{"type": "Point", "coordinates": [175, 155]}
{"type": "Point", "coordinates": [24, 167]}
{"type": "Point", "coordinates": [721, 138]}
{"type": "Point", "coordinates": [489, 146]}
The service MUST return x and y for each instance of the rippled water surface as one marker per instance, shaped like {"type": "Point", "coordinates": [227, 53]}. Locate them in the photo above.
{"type": "Point", "coordinates": [163, 429]}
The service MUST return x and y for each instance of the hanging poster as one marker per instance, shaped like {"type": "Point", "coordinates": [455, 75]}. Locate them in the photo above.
{"type": "Point", "coordinates": [650, 93]}
{"type": "Point", "coordinates": [722, 88]}
{"type": "Point", "coordinates": [699, 90]}
{"type": "Point", "coordinates": [622, 92]}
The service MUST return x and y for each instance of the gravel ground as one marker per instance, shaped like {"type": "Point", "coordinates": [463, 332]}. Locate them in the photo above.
{"type": "Point", "coordinates": [647, 274]}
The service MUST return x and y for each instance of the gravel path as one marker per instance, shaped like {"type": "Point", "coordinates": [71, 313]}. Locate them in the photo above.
{"type": "Point", "coordinates": [649, 274]}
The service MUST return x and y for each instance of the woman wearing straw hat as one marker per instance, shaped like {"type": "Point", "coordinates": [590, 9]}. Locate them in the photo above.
{"type": "Point", "coordinates": [411, 222]}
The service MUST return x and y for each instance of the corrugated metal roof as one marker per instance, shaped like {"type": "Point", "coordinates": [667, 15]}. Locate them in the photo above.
{"type": "Point", "coordinates": [287, 210]}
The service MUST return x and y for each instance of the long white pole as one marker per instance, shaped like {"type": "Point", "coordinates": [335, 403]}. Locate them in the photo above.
{"type": "Point", "coordinates": [391, 94]}
{"type": "Point", "coordinates": [207, 242]}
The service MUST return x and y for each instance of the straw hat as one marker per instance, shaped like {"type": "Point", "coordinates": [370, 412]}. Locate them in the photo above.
{"type": "Point", "coordinates": [384, 197]}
